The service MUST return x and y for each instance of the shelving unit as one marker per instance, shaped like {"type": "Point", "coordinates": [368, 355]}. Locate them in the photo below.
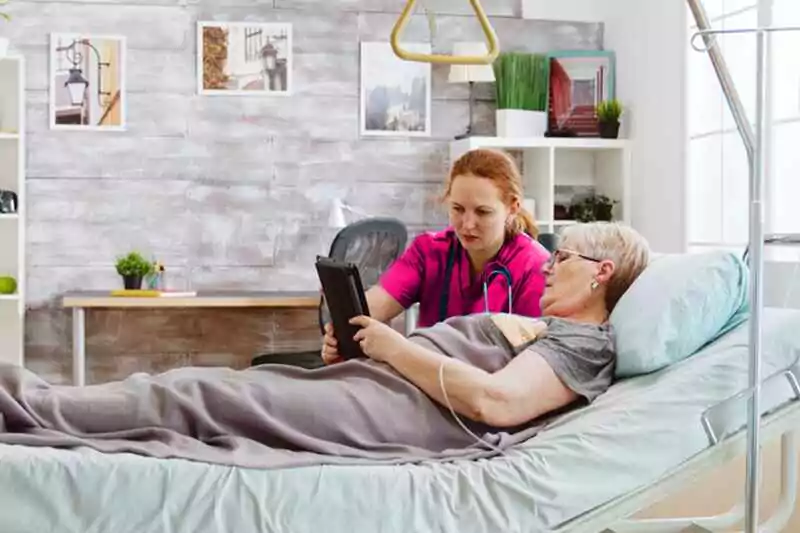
{"type": "Point", "coordinates": [12, 225]}
{"type": "Point", "coordinates": [550, 164]}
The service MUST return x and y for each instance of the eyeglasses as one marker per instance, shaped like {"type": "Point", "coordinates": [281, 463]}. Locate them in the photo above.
{"type": "Point", "coordinates": [562, 254]}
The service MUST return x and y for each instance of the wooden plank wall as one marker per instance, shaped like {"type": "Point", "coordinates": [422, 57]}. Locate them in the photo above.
{"type": "Point", "coordinates": [229, 192]}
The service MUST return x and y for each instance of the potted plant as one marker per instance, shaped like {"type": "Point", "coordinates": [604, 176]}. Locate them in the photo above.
{"type": "Point", "coordinates": [608, 113]}
{"type": "Point", "coordinates": [522, 82]}
{"type": "Point", "coordinates": [8, 285]}
{"type": "Point", "coordinates": [593, 208]}
{"type": "Point", "coordinates": [4, 40]}
{"type": "Point", "coordinates": [133, 268]}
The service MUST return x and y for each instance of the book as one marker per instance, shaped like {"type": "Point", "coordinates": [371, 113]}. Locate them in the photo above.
{"type": "Point", "coordinates": [151, 293]}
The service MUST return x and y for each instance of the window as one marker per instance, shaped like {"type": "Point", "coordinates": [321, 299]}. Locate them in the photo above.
{"type": "Point", "coordinates": [718, 174]}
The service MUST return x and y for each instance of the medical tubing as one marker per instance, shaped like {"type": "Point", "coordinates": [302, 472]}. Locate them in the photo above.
{"type": "Point", "coordinates": [455, 416]}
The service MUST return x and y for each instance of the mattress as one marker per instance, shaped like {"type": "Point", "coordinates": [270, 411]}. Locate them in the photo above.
{"type": "Point", "coordinates": [639, 430]}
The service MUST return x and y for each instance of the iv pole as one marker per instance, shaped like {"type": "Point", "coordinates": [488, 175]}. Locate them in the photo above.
{"type": "Point", "coordinates": [755, 145]}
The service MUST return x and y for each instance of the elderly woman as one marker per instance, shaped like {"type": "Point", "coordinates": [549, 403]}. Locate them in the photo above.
{"type": "Point", "coordinates": [539, 365]}
{"type": "Point", "coordinates": [469, 385]}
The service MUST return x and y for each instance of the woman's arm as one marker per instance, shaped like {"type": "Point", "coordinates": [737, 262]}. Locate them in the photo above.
{"type": "Point", "coordinates": [382, 306]}
{"type": "Point", "coordinates": [524, 389]}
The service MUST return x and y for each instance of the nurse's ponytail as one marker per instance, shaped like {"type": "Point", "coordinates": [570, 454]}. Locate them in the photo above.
{"type": "Point", "coordinates": [500, 168]}
{"type": "Point", "coordinates": [523, 223]}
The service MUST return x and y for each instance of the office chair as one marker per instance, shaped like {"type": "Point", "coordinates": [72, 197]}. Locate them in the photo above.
{"type": "Point", "coordinates": [549, 241]}
{"type": "Point", "coordinates": [372, 245]}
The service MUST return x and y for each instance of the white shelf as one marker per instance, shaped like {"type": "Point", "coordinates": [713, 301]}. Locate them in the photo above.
{"type": "Point", "coordinates": [521, 143]}
{"type": "Point", "coordinates": [12, 230]}
{"type": "Point", "coordinates": [555, 166]}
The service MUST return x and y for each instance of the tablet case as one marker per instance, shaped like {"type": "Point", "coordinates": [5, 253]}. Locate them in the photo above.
{"type": "Point", "coordinates": [345, 298]}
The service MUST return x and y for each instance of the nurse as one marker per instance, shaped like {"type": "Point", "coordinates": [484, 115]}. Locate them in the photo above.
{"type": "Point", "coordinates": [469, 267]}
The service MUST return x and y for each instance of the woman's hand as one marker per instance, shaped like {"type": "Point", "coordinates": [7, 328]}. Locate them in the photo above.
{"type": "Point", "coordinates": [377, 340]}
{"type": "Point", "coordinates": [330, 350]}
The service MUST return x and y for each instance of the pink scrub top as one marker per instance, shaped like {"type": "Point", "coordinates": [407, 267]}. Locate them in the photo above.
{"type": "Point", "coordinates": [419, 276]}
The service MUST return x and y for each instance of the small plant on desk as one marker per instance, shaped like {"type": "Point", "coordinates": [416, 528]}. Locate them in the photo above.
{"type": "Point", "coordinates": [133, 268]}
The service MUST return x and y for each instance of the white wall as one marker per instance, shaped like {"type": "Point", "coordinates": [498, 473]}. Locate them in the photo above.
{"type": "Point", "coordinates": [572, 10]}
{"type": "Point", "coordinates": [649, 39]}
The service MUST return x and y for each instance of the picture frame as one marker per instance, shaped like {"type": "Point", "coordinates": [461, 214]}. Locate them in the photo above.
{"type": "Point", "coordinates": [244, 58]}
{"type": "Point", "coordinates": [87, 82]}
{"type": "Point", "coordinates": [395, 95]}
{"type": "Point", "coordinates": [579, 80]}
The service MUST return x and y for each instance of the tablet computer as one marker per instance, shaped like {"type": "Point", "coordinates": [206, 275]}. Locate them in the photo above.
{"type": "Point", "coordinates": [345, 298]}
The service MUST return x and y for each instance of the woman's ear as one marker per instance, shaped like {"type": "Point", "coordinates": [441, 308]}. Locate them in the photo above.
{"type": "Point", "coordinates": [514, 207]}
{"type": "Point", "coordinates": [605, 270]}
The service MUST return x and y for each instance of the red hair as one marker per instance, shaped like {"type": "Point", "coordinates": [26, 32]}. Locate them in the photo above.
{"type": "Point", "coordinates": [498, 167]}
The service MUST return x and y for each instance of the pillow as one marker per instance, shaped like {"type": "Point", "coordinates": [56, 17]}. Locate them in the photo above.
{"type": "Point", "coordinates": [676, 306]}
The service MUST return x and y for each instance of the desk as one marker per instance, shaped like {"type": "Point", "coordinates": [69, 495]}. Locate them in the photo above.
{"type": "Point", "coordinates": [80, 301]}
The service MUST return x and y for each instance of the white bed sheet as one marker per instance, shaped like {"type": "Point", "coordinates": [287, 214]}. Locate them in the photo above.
{"type": "Point", "coordinates": [626, 440]}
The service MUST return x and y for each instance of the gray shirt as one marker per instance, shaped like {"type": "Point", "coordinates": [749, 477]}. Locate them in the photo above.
{"type": "Point", "coordinates": [581, 355]}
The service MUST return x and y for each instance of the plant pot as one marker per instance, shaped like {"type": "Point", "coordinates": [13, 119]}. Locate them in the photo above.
{"type": "Point", "coordinates": [3, 47]}
{"type": "Point", "coordinates": [132, 282]}
{"type": "Point", "coordinates": [520, 123]}
{"type": "Point", "coordinates": [608, 130]}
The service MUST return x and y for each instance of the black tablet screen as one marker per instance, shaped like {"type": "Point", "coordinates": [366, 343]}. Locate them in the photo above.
{"type": "Point", "coordinates": [345, 298]}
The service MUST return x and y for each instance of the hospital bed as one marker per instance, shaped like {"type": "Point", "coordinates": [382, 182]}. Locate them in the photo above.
{"type": "Point", "coordinates": [590, 470]}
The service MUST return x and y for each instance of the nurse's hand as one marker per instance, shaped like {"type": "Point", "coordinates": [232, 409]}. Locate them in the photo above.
{"type": "Point", "coordinates": [330, 352]}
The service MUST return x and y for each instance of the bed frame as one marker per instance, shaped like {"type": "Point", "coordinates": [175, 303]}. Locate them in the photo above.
{"type": "Point", "coordinates": [727, 441]}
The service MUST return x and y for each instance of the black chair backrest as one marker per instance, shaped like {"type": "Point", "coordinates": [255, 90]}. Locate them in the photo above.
{"type": "Point", "coordinates": [372, 244]}
{"type": "Point", "coordinates": [549, 241]}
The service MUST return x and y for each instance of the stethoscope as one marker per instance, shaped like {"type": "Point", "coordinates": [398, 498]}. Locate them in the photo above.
{"type": "Point", "coordinates": [448, 274]}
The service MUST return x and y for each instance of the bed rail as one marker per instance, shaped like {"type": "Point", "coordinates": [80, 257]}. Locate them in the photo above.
{"type": "Point", "coordinates": [723, 419]}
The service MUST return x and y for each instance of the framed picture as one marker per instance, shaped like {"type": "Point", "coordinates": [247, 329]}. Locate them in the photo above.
{"type": "Point", "coordinates": [395, 94]}
{"type": "Point", "coordinates": [87, 82]}
{"type": "Point", "coordinates": [244, 58]}
{"type": "Point", "coordinates": [579, 80]}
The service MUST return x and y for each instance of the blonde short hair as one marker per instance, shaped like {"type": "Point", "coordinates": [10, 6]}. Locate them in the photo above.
{"type": "Point", "coordinates": [615, 241]}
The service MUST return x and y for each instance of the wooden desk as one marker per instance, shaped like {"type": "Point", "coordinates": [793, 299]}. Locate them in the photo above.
{"type": "Point", "coordinates": [80, 301]}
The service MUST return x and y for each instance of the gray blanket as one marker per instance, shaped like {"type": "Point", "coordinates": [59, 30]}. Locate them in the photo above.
{"type": "Point", "coordinates": [264, 417]}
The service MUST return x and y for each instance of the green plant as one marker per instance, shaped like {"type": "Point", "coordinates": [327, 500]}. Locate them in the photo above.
{"type": "Point", "coordinates": [133, 264]}
{"type": "Point", "coordinates": [522, 81]}
{"type": "Point", "coordinates": [609, 110]}
{"type": "Point", "coordinates": [4, 15]}
{"type": "Point", "coordinates": [593, 208]}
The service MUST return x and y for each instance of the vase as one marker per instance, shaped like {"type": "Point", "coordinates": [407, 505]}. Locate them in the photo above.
{"type": "Point", "coordinates": [521, 123]}
{"type": "Point", "coordinates": [3, 47]}
{"type": "Point", "coordinates": [132, 282]}
{"type": "Point", "coordinates": [608, 130]}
